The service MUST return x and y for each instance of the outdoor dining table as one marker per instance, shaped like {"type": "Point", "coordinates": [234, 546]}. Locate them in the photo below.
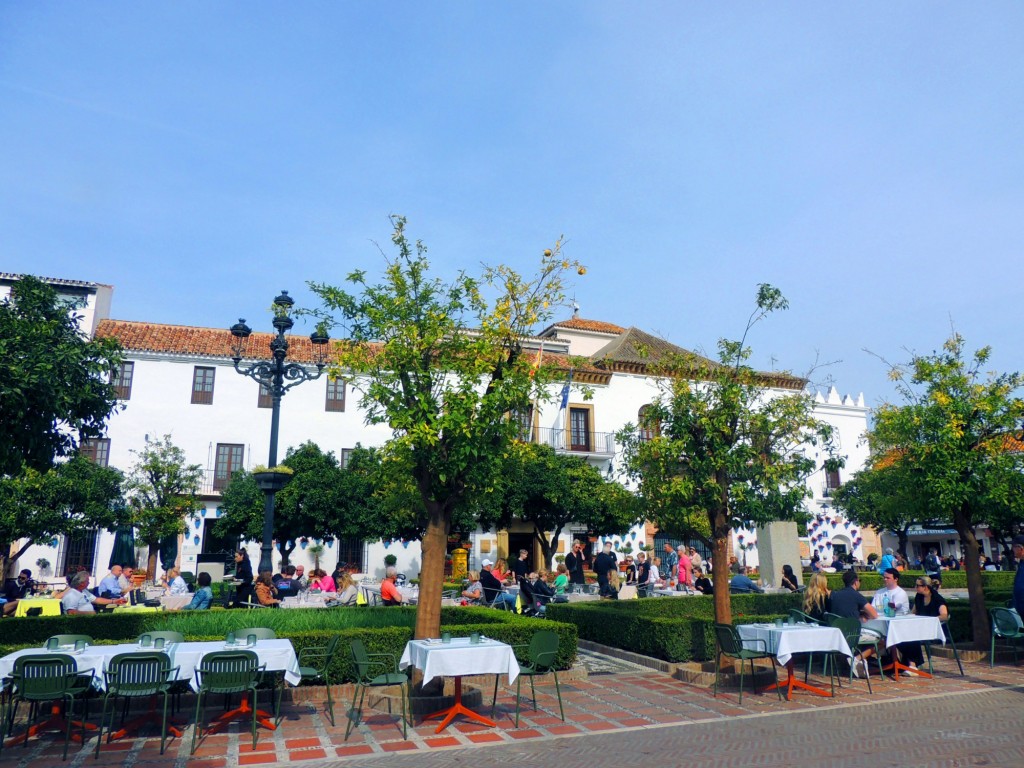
{"type": "Point", "coordinates": [456, 659]}
{"type": "Point", "coordinates": [908, 628]}
{"type": "Point", "coordinates": [277, 655]}
{"type": "Point", "coordinates": [49, 606]}
{"type": "Point", "coordinates": [786, 640]}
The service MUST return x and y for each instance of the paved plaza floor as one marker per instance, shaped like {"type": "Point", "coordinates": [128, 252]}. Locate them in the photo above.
{"type": "Point", "coordinates": [617, 711]}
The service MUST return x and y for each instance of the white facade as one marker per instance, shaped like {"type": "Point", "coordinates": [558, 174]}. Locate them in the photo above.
{"type": "Point", "coordinates": [164, 361]}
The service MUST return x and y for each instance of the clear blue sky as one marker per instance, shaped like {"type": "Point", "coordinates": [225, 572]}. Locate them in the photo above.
{"type": "Point", "coordinates": [866, 158]}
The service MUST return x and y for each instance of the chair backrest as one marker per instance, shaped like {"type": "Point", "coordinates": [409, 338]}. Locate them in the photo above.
{"type": "Point", "coordinates": [849, 627]}
{"type": "Point", "coordinates": [361, 660]}
{"type": "Point", "coordinates": [798, 615]}
{"type": "Point", "coordinates": [1003, 622]}
{"type": "Point", "coordinates": [138, 674]}
{"type": "Point", "coordinates": [543, 651]}
{"type": "Point", "coordinates": [70, 639]}
{"type": "Point", "coordinates": [43, 677]}
{"type": "Point", "coordinates": [262, 633]}
{"type": "Point", "coordinates": [728, 639]}
{"type": "Point", "coordinates": [228, 671]}
{"type": "Point", "coordinates": [167, 635]}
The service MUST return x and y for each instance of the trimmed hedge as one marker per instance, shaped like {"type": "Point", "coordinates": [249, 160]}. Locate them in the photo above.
{"type": "Point", "coordinates": [383, 630]}
{"type": "Point", "coordinates": [872, 580]}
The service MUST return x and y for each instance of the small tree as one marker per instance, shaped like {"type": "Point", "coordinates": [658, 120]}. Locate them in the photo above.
{"type": "Point", "coordinates": [54, 382]}
{"type": "Point", "coordinates": [550, 491]}
{"type": "Point", "coordinates": [957, 432]}
{"type": "Point", "coordinates": [162, 490]}
{"type": "Point", "coordinates": [723, 446]}
{"type": "Point", "coordinates": [443, 367]}
{"type": "Point", "coordinates": [72, 498]}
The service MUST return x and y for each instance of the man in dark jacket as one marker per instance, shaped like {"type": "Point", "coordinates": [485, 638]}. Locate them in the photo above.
{"type": "Point", "coordinates": [604, 562]}
{"type": "Point", "coordinates": [574, 562]}
{"type": "Point", "coordinates": [1018, 579]}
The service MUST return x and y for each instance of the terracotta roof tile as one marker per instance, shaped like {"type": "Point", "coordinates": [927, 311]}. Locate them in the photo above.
{"type": "Point", "coordinates": [580, 324]}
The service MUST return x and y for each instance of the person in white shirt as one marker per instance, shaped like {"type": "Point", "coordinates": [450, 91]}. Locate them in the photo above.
{"type": "Point", "coordinates": [174, 584]}
{"type": "Point", "coordinates": [78, 599]}
{"type": "Point", "coordinates": [892, 594]}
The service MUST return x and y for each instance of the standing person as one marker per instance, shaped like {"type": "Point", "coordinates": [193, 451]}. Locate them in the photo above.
{"type": "Point", "coordinates": [685, 570]}
{"type": "Point", "coordinates": [655, 581]}
{"type": "Point", "coordinates": [243, 574]}
{"type": "Point", "coordinates": [932, 564]}
{"type": "Point", "coordinates": [574, 563]}
{"type": "Point", "coordinates": [1018, 579]}
{"type": "Point", "coordinates": [643, 576]}
{"type": "Point", "coordinates": [887, 561]}
{"type": "Point", "coordinates": [630, 570]}
{"type": "Point", "coordinates": [696, 559]}
{"type": "Point", "coordinates": [603, 563]}
{"type": "Point", "coordinates": [669, 564]}
{"type": "Point", "coordinates": [521, 568]}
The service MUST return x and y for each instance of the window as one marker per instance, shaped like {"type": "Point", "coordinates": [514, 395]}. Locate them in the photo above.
{"type": "Point", "coordinates": [351, 553]}
{"type": "Point", "coordinates": [648, 427]}
{"type": "Point", "coordinates": [579, 429]}
{"type": "Point", "coordinates": [335, 395]}
{"type": "Point", "coordinates": [832, 479]}
{"type": "Point", "coordinates": [202, 385]}
{"type": "Point", "coordinates": [121, 378]}
{"type": "Point", "coordinates": [79, 553]}
{"type": "Point", "coordinates": [524, 422]}
{"type": "Point", "coordinates": [96, 450]}
{"type": "Point", "coordinates": [346, 456]}
{"type": "Point", "coordinates": [229, 461]}
{"type": "Point", "coordinates": [265, 399]}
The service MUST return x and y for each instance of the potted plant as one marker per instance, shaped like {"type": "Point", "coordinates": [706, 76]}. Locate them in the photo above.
{"type": "Point", "coordinates": [43, 565]}
{"type": "Point", "coordinates": [272, 478]}
{"type": "Point", "coordinates": [390, 560]}
{"type": "Point", "coordinates": [559, 558]}
{"type": "Point", "coordinates": [316, 551]}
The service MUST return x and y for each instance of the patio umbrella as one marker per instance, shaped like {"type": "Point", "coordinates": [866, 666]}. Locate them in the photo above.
{"type": "Point", "coordinates": [124, 546]}
{"type": "Point", "coordinates": [168, 551]}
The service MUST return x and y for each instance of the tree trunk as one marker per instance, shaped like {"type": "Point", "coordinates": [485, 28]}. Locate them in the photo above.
{"type": "Point", "coordinates": [433, 547]}
{"type": "Point", "coordinates": [720, 572]}
{"type": "Point", "coordinates": [154, 550]}
{"type": "Point", "coordinates": [547, 548]}
{"type": "Point", "coordinates": [902, 538]}
{"type": "Point", "coordinates": [979, 616]}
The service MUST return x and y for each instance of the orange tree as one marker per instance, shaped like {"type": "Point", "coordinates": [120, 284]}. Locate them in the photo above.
{"type": "Point", "coordinates": [441, 363]}
{"type": "Point", "coordinates": [723, 446]}
{"type": "Point", "coordinates": [956, 431]}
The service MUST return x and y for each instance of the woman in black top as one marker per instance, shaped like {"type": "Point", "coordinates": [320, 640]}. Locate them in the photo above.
{"type": "Point", "coordinates": [928, 601]}
{"type": "Point", "coordinates": [789, 579]}
{"type": "Point", "coordinates": [243, 573]}
{"type": "Point", "coordinates": [701, 582]}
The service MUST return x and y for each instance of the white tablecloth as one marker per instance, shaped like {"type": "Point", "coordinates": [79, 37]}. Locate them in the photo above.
{"type": "Point", "coordinates": [789, 639]}
{"type": "Point", "coordinates": [907, 629]}
{"type": "Point", "coordinates": [460, 657]}
{"type": "Point", "coordinates": [175, 602]}
{"type": "Point", "coordinates": [278, 655]}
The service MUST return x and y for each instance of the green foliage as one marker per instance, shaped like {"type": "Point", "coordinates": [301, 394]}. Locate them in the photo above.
{"type": "Point", "coordinates": [72, 497]}
{"type": "Point", "coordinates": [162, 490]}
{"type": "Point", "coordinates": [872, 580]}
{"type": "Point", "coordinates": [54, 383]}
{"type": "Point", "coordinates": [550, 491]}
{"type": "Point", "coordinates": [887, 499]}
{"type": "Point", "coordinates": [723, 445]}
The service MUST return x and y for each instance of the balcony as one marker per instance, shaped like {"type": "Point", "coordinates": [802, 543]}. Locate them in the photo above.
{"type": "Point", "coordinates": [596, 444]}
{"type": "Point", "coordinates": [213, 485]}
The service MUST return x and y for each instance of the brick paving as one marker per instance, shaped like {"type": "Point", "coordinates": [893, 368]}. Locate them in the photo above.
{"type": "Point", "coordinates": [622, 711]}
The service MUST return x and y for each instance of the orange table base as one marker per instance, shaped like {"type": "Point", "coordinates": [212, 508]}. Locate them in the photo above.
{"type": "Point", "coordinates": [149, 717]}
{"type": "Point", "coordinates": [898, 665]}
{"type": "Point", "coordinates": [458, 708]}
{"type": "Point", "coordinates": [263, 718]}
{"type": "Point", "coordinates": [792, 682]}
{"type": "Point", "coordinates": [57, 722]}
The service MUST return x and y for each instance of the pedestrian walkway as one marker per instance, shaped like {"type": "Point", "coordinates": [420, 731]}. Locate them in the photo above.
{"type": "Point", "coordinates": [616, 697]}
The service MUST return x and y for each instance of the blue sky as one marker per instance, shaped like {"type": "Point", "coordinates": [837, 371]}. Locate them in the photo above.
{"type": "Point", "coordinates": [866, 158]}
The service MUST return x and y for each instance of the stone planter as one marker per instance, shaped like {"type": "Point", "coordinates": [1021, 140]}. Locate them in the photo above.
{"type": "Point", "coordinates": [271, 481]}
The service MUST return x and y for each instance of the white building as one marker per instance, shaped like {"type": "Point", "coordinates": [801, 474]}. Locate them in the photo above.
{"type": "Point", "coordinates": [179, 380]}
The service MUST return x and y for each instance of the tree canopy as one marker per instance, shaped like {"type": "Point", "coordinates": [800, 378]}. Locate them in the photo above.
{"type": "Point", "coordinates": [722, 447]}
{"type": "Point", "coordinates": [162, 492]}
{"type": "Point", "coordinates": [550, 491]}
{"type": "Point", "coordinates": [441, 363]}
{"type": "Point", "coordinates": [54, 382]}
{"type": "Point", "coordinates": [74, 497]}
{"type": "Point", "coordinates": [958, 431]}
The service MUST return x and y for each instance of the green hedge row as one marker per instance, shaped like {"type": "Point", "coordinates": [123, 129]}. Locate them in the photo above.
{"type": "Point", "coordinates": [383, 630]}
{"type": "Point", "coordinates": [871, 580]}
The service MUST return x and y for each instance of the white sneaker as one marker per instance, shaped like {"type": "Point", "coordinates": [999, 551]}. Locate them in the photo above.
{"type": "Point", "coordinates": [912, 672]}
{"type": "Point", "coordinates": [854, 670]}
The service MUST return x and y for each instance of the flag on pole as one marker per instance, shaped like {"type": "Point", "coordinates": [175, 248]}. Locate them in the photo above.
{"type": "Point", "coordinates": [537, 361]}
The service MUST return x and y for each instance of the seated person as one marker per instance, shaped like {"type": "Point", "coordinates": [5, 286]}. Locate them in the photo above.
{"type": "Point", "coordinates": [126, 580]}
{"type": "Point", "coordinates": [789, 580]}
{"type": "Point", "coordinates": [702, 583]}
{"type": "Point", "coordinates": [203, 597]}
{"type": "Point", "coordinates": [927, 602]}
{"type": "Point", "coordinates": [891, 594]}
{"type": "Point", "coordinates": [299, 578]}
{"type": "Point", "coordinates": [541, 591]}
{"type": "Point", "coordinates": [286, 585]}
{"type": "Point", "coordinates": [612, 593]}
{"type": "Point", "coordinates": [173, 583]}
{"type": "Point", "coordinates": [347, 592]}
{"type": "Point", "coordinates": [473, 593]}
{"type": "Point", "coordinates": [323, 582]}
{"type": "Point", "coordinates": [388, 590]}
{"type": "Point", "coordinates": [17, 589]}
{"type": "Point", "coordinates": [817, 598]}
{"type": "Point", "coordinates": [78, 599]}
{"type": "Point", "coordinates": [848, 602]}
{"type": "Point", "coordinates": [494, 591]}
{"type": "Point", "coordinates": [110, 586]}
{"type": "Point", "coordinates": [561, 582]}
{"type": "Point", "coordinates": [741, 582]}
{"type": "Point", "coordinates": [266, 594]}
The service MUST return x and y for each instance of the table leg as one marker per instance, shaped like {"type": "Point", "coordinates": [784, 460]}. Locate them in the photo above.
{"type": "Point", "coordinates": [792, 681]}
{"type": "Point", "coordinates": [898, 665]}
{"type": "Point", "coordinates": [56, 721]}
{"type": "Point", "coordinates": [245, 710]}
{"type": "Point", "coordinates": [458, 708]}
{"type": "Point", "coordinates": [150, 716]}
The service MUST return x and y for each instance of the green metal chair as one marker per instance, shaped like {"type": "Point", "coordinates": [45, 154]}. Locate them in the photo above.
{"type": "Point", "coordinates": [40, 679]}
{"type": "Point", "coordinates": [68, 639]}
{"type": "Point", "coordinates": [372, 671]}
{"type": "Point", "coordinates": [859, 642]}
{"type": "Point", "coordinates": [314, 666]}
{"type": "Point", "coordinates": [948, 632]}
{"type": "Point", "coordinates": [851, 631]}
{"type": "Point", "coordinates": [134, 676]}
{"type": "Point", "coordinates": [803, 618]}
{"type": "Point", "coordinates": [729, 644]}
{"type": "Point", "coordinates": [227, 672]}
{"type": "Point", "coordinates": [167, 635]}
{"type": "Point", "coordinates": [542, 656]}
{"type": "Point", "coordinates": [262, 633]}
{"type": "Point", "coordinates": [1004, 627]}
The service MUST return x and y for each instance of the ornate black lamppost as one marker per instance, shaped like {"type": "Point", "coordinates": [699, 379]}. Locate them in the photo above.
{"type": "Point", "coordinates": [272, 375]}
